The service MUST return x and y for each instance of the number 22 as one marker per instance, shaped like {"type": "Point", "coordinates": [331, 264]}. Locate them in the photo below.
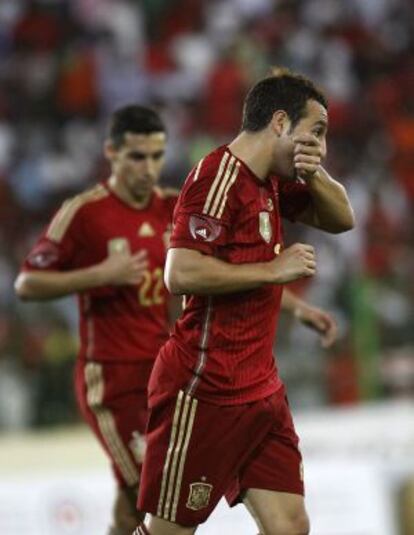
{"type": "Point", "coordinates": [150, 291]}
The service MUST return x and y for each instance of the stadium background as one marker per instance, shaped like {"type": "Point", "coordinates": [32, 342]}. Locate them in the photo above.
{"type": "Point", "coordinates": [64, 67]}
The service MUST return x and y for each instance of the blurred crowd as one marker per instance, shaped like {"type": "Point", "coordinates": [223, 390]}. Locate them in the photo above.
{"type": "Point", "coordinates": [66, 65]}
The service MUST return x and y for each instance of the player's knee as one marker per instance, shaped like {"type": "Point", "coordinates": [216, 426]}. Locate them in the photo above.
{"type": "Point", "coordinates": [294, 524]}
{"type": "Point", "coordinates": [297, 524]}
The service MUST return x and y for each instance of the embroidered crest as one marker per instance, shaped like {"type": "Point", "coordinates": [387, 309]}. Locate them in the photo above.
{"type": "Point", "coordinates": [265, 228]}
{"type": "Point", "coordinates": [118, 245]}
{"type": "Point", "coordinates": [199, 496]}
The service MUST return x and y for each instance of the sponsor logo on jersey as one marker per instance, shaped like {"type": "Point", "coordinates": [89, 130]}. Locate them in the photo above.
{"type": "Point", "coordinates": [204, 228]}
{"type": "Point", "coordinates": [265, 227]}
{"type": "Point", "coordinates": [146, 230]}
{"type": "Point", "coordinates": [199, 496]}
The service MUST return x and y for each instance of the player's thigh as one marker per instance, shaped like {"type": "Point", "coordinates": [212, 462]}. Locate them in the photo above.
{"type": "Point", "coordinates": [277, 513]}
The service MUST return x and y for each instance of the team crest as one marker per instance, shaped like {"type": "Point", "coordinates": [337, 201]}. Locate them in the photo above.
{"type": "Point", "coordinates": [265, 228]}
{"type": "Point", "coordinates": [118, 245]}
{"type": "Point", "coordinates": [199, 496]}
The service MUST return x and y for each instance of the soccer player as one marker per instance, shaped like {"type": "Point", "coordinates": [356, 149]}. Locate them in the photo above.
{"type": "Point", "coordinates": [108, 245]}
{"type": "Point", "coordinates": [219, 420]}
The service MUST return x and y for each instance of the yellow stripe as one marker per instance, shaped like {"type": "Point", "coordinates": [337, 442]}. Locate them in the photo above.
{"type": "Point", "coordinates": [215, 183]}
{"type": "Point", "coordinates": [229, 185]}
{"type": "Point", "coordinates": [169, 453]}
{"type": "Point", "coordinates": [182, 460]}
{"type": "Point", "coordinates": [227, 176]}
{"type": "Point", "coordinates": [106, 423]}
{"type": "Point", "coordinates": [67, 212]}
{"type": "Point", "coordinates": [175, 458]}
{"type": "Point", "coordinates": [198, 169]}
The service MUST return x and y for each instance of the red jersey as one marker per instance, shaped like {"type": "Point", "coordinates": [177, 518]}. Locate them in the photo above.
{"type": "Point", "coordinates": [117, 323]}
{"type": "Point", "coordinates": [226, 341]}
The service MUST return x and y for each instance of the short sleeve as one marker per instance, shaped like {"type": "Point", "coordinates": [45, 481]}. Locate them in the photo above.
{"type": "Point", "coordinates": [56, 248]}
{"type": "Point", "coordinates": [203, 214]}
{"type": "Point", "coordinates": [294, 198]}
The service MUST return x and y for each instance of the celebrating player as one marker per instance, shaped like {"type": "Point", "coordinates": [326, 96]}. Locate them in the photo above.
{"type": "Point", "coordinates": [219, 420]}
{"type": "Point", "coordinates": [108, 244]}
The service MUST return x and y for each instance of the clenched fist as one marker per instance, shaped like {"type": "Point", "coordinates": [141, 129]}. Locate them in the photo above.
{"type": "Point", "coordinates": [295, 262]}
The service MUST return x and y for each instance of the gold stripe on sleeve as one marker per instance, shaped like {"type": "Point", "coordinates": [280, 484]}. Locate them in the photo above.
{"type": "Point", "coordinates": [67, 212]}
{"type": "Point", "coordinates": [216, 182]}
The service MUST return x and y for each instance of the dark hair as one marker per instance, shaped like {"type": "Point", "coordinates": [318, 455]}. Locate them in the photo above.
{"type": "Point", "coordinates": [135, 119]}
{"type": "Point", "coordinates": [281, 90]}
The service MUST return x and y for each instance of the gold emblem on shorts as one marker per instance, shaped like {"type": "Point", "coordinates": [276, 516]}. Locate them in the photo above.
{"type": "Point", "coordinates": [199, 496]}
{"type": "Point", "coordinates": [265, 228]}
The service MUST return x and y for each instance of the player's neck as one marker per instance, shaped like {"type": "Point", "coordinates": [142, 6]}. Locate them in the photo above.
{"type": "Point", "coordinates": [253, 150]}
{"type": "Point", "coordinates": [118, 189]}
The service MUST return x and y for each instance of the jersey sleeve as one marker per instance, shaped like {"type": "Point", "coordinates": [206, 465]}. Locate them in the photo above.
{"type": "Point", "coordinates": [294, 198]}
{"type": "Point", "coordinates": [205, 208]}
{"type": "Point", "coordinates": [56, 248]}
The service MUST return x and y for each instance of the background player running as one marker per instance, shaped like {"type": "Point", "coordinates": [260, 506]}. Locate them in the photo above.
{"type": "Point", "coordinates": [219, 421]}
{"type": "Point", "coordinates": [108, 244]}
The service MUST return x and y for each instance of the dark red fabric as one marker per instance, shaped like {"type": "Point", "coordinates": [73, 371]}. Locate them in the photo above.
{"type": "Point", "coordinates": [226, 341]}
{"type": "Point", "coordinates": [121, 413]}
{"type": "Point", "coordinates": [197, 452]}
{"type": "Point", "coordinates": [118, 323]}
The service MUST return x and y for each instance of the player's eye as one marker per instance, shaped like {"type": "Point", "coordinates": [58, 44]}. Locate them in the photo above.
{"type": "Point", "coordinates": [140, 156]}
{"type": "Point", "coordinates": [319, 131]}
{"type": "Point", "coordinates": [136, 156]}
{"type": "Point", "coordinates": [158, 155]}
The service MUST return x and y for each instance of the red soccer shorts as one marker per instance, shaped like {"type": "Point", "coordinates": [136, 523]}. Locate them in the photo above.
{"type": "Point", "coordinates": [197, 452]}
{"type": "Point", "coordinates": [113, 401]}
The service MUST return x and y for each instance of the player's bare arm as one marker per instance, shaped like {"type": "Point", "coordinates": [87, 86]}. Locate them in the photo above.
{"type": "Point", "coordinates": [315, 318]}
{"type": "Point", "coordinates": [117, 269]}
{"type": "Point", "coordinates": [188, 271]}
{"type": "Point", "coordinates": [330, 209]}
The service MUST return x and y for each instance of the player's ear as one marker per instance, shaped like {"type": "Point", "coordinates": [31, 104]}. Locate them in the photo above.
{"type": "Point", "coordinates": [280, 122]}
{"type": "Point", "coordinates": [109, 150]}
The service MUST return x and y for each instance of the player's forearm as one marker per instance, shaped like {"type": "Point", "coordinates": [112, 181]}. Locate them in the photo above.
{"type": "Point", "coordinates": [190, 272]}
{"type": "Point", "coordinates": [330, 203]}
{"type": "Point", "coordinates": [43, 285]}
{"type": "Point", "coordinates": [291, 302]}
